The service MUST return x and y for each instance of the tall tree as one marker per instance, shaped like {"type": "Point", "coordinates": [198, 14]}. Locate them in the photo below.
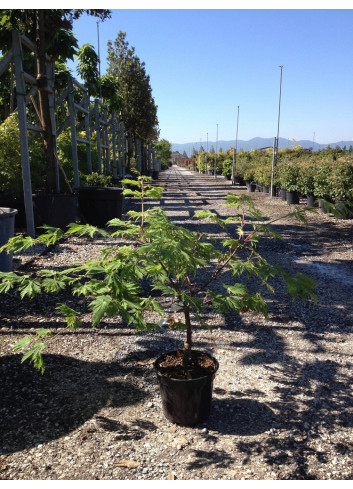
{"type": "Point", "coordinates": [52, 31]}
{"type": "Point", "coordinates": [139, 111]}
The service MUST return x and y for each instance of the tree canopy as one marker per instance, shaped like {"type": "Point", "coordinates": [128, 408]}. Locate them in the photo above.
{"type": "Point", "coordinates": [139, 111]}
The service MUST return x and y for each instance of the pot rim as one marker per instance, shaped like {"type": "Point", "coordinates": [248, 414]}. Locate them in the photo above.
{"type": "Point", "coordinates": [6, 212]}
{"type": "Point", "coordinates": [215, 361]}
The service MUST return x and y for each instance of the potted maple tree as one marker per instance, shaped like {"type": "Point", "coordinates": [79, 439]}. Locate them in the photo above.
{"type": "Point", "coordinates": [170, 258]}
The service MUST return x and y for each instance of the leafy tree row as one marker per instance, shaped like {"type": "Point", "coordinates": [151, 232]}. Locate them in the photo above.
{"type": "Point", "coordinates": [125, 88]}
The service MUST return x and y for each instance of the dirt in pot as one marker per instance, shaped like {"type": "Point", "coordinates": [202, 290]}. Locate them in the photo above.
{"type": "Point", "coordinates": [199, 365]}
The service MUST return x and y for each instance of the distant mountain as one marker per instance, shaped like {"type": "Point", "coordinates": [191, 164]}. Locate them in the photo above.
{"type": "Point", "coordinates": [255, 143]}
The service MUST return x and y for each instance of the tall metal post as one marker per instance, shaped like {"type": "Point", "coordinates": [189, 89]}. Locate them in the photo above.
{"type": "Point", "coordinates": [235, 150]}
{"type": "Point", "coordinates": [215, 156]}
{"type": "Point", "coordinates": [275, 147]}
{"type": "Point", "coordinates": [206, 170]}
{"type": "Point", "coordinates": [273, 165]}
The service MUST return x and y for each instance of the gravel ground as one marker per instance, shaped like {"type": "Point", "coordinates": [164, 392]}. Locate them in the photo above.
{"type": "Point", "coordinates": [282, 405]}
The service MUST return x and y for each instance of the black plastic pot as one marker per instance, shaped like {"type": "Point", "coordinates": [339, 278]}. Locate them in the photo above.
{"type": "Point", "coordinates": [344, 209]}
{"type": "Point", "coordinates": [186, 402]}
{"type": "Point", "coordinates": [56, 210]}
{"type": "Point", "coordinates": [323, 204]}
{"type": "Point", "coordinates": [251, 187]}
{"type": "Point", "coordinates": [7, 229]}
{"type": "Point", "coordinates": [265, 189]}
{"type": "Point", "coordinates": [98, 205]}
{"type": "Point", "coordinates": [292, 197]}
{"type": "Point", "coordinates": [310, 200]}
{"type": "Point", "coordinates": [13, 202]}
{"type": "Point", "coordinates": [283, 194]}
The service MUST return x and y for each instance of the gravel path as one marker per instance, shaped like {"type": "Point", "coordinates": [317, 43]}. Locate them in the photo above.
{"type": "Point", "coordinates": [282, 406]}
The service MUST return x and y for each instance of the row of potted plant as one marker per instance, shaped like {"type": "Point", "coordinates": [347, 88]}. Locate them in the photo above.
{"type": "Point", "coordinates": [314, 177]}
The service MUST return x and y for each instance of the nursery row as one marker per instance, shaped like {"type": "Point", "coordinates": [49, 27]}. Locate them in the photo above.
{"type": "Point", "coordinates": [325, 174]}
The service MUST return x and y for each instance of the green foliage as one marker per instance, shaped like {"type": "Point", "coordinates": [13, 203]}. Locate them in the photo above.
{"type": "Point", "coordinates": [164, 147]}
{"type": "Point", "coordinates": [96, 179]}
{"type": "Point", "coordinates": [139, 111]}
{"type": "Point", "coordinates": [10, 159]}
{"type": "Point", "coordinates": [227, 167]}
{"type": "Point", "coordinates": [88, 68]}
{"type": "Point", "coordinates": [111, 95]}
{"type": "Point", "coordinates": [169, 257]}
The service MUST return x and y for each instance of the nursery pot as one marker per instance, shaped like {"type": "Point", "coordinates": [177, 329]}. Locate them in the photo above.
{"type": "Point", "coordinates": [56, 210]}
{"type": "Point", "coordinates": [283, 194]}
{"type": "Point", "coordinates": [310, 200]}
{"type": "Point", "coordinates": [251, 187]}
{"type": "Point", "coordinates": [7, 229]}
{"type": "Point", "coordinates": [322, 205]}
{"type": "Point", "coordinates": [344, 209]}
{"type": "Point", "coordinates": [186, 402]}
{"type": "Point", "coordinates": [292, 197]}
{"type": "Point", "coordinates": [98, 205]}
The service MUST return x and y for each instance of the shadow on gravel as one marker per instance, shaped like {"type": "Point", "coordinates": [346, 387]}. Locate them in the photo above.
{"type": "Point", "coordinates": [36, 409]}
{"type": "Point", "coordinates": [240, 417]}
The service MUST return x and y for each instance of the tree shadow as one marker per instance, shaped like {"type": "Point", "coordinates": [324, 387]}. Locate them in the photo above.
{"type": "Point", "coordinates": [36, 409]}
{"type": "Point", "coordinates": [240, 417]}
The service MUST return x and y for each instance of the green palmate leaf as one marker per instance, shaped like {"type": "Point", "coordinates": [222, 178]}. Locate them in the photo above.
{"type": "Point", "coordinates": [131, 193]}
{"type": "Point", "coordinates": [101, 306]}
{"type": "Point", "coordinates": [53, 284]}
{"type": "Point", "coordinates": [231, 243]}
{"type": "Point", "coordinates": [8, 280]}
{"type": "Point", "coordinates": [117, 223]}
{"type": "Point", "coordinates": [134, 183]}
{"type": "Point", "coordinates": [18, 244]}
{"type": "Point", "coordinates": [34, 355]}
{"type": "Point", "coordinates": [30, 288]}
{"type": "Point", "coordinates": [52, 235]}
{"type": "Point", "coordinates": [300, 286]}
{"type": "Point", "coordinates": [212, 216]}
{"type": "Point", "coordinates": [43, 332]}
{"type": "Point", "coordinates": [86, 230]}
{"type": "Point", "coordinates": [154, 193]}
{"type": "Point", "coordinates": [72, 317]}
{"type": "Point", "coordinates": [23, 343]}
{"type": "Point", "coordinates": [254, 302]}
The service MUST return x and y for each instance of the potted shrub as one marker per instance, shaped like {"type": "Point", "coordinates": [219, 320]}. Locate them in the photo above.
{"type": "Point", "coordinates": [263, 177]}
{"type": "Point", "coordinates": [306, 180]}
{"type": "Point", "coordinates": [322, 177]}
{"type": "Point", "coordinates": [98, 200]}
{"type": "Point", "coordinates": [249, 176]}
{"type": "Point", "coordinates": [341, 186]}
{"type": "Point", "coordinates": [170, 258]}
{"type": "Point", "coordinates": [289, 172]}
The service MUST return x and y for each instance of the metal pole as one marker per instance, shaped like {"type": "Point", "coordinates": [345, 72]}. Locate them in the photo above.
{"type": "Point", "coordinates": [275, 147]}
{"type": "Point", "coordinates": [215, 156]}
{"type": "Point", "coordinates": [235, 151]}
{"type": "Point", "coordinates": [99, 64]}
{"type": "Point", "coordinates": [279, 110]}
{"type": "Point", "coordinates": [206, 170]}
{"type": "Point", "coordinates": [273, 165]}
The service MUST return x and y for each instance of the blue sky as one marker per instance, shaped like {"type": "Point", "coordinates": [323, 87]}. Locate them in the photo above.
{"type": "Point", "coordinates": [205, 63]}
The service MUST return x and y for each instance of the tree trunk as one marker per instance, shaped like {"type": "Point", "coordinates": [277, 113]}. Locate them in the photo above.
{"type": "Point", "coordinates": [43, 94]}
